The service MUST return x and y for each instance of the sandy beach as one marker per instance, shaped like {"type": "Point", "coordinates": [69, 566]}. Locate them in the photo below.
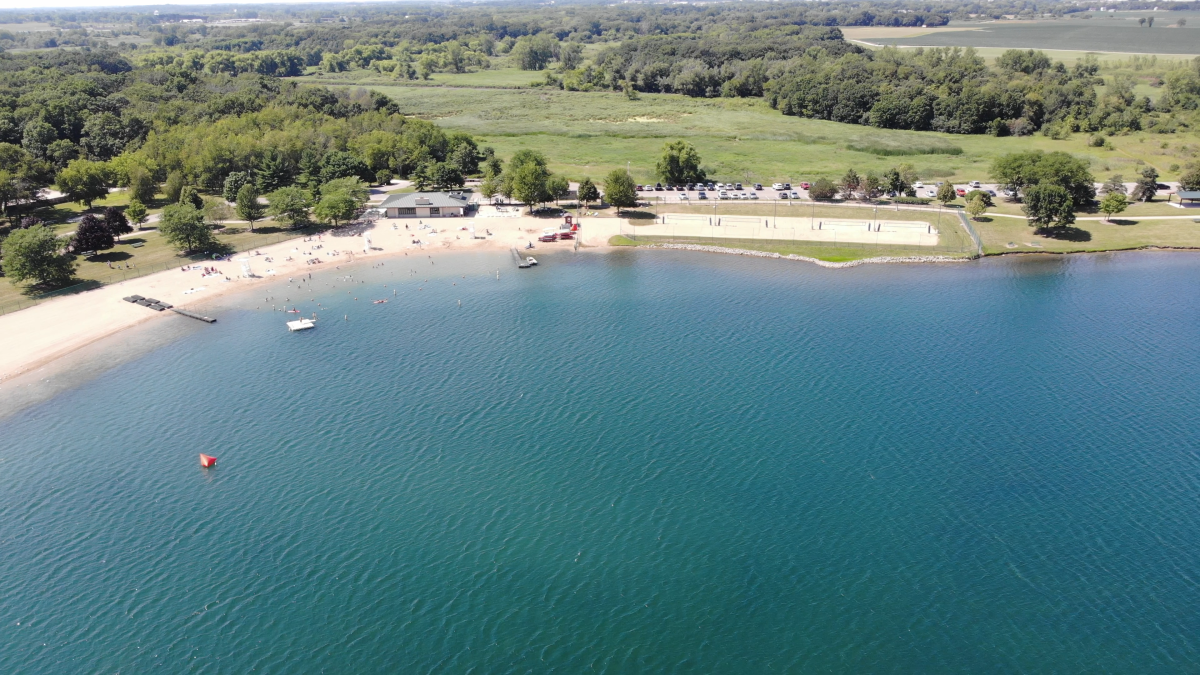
{"type": "Point", "coordinates": [37, 336]}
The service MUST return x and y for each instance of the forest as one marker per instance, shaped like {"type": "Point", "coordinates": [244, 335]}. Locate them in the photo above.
{"type": "Point", "coordinates": [791, 54]}
{"type": "Point", "coordinates": [191, 102]}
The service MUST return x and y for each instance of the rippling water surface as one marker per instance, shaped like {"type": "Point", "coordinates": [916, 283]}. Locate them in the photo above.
{"type": "Point", "coordinates": [631, 462]}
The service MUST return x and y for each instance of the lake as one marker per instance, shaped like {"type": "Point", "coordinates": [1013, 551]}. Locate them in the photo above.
{"type": "Point", "coordinates": [634, 461]}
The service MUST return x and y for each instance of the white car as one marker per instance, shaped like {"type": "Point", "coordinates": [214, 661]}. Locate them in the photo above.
{"type": "Point", "coordinates": [684, 196]}
{"type": "Point", "coordinates": [974, 184]}
{"type": "Point", "coordinates": [931, 193]}
{"type": "Point", "coordinates": [722, 195]}
{"type": "Point", "coordinates": [777, 186]}
{"type": "Point", "coordinates": [918, 185]}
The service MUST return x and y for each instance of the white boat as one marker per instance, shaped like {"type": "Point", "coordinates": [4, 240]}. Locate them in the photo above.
{"type": "Point", "coordinates": [301, 324]}
{"type": "Point", "coordinates": [531, 260]}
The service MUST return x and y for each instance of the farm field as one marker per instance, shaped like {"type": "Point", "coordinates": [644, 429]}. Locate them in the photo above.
{"type": "Point", "coordinates": [591, 133]}
{"type": "Point", "coordinates": [1103, 33]}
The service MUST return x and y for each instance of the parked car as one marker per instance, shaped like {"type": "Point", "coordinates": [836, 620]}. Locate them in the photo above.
{"type": "Point", "coordinates": [753, 195]}
{"type": "Point", "coordinates": [683, 196]}
{"type": "Point", "coordinates": [787, 186]}
{"type": "Point", "coordinates": [548, 237]}
{"type": "Point", "coordinates": [783, 195]}
{"type": "Point", "coordinates": [722, 195]}
{"type": "Point", "coordinates": [991, 192]}
{"type": "Point", "coordinates": [658, 187]}
{"type": "Point", "coordinates": [931, 193]}
{"type": "Point", "coordinates": [776, 186]}
{"type": "Point", "coordinates": [702, 195]}
{"type": "Point", "coordinates": [640, 188]}
{"type": "Point", "coordinates": [805, 186]}
{"type": "Point", "coordinates": [973, 184]}
{"type": "Point", "coordinates": [795, 195]}
{"type": "Point", "coordinates": [918, 185]}
{"type": "Point", "coordinates": [960, 192]}
{"type": "Point", "coordinates": [758, 186]}
{"type": "Point", "coordinates": [738, 186]}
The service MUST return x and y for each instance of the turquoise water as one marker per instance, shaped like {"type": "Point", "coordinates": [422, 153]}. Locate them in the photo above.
{"type": "Point", "coordinates": [643, 461]}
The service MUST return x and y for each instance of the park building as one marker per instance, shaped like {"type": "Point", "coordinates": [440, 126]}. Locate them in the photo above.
{"type": "Point", "coordinates": [425, 205]}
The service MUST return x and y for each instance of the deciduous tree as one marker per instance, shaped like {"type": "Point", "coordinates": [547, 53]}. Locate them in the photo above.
{"type": "Point", "coordinates": [1112, 204]}
{"type": "Point", "coordinates": [620, 190]}
{"type": "Point", "coordinates": [248, 207]}
{"type": "Point", "coordinates": [975, 207]}
{"type": "Point", "coordinates": [116, 221]}
{"type": "Point", "coordinates": [946, 193]}
{"type": "Point", "coordinates": [289, 205]}
{"type": "Point", "coordinates": [822, 188]}
{"type": "Point", "coordinates": [183, 227]}
{"type": "Point", "coordinates": [588, 192]}
{"type": "Point", "coordinates": [1048, 206]}
{"type": "Point", "coordinates": [679, 164]}
{"type": "Point", "coordinates": [136, 212]}
{"type": "Point", "coordinates": [37, 254]}
{"type": "Point", "coordinates": [84, 181]}
{"type": "Point", "coordinates": [234, 182]}
{"type": "Point", "coordinates": [92, 235]}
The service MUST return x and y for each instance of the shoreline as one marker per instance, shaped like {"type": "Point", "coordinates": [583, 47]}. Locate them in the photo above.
{"type": "Point", "coordinates": [40, 335]}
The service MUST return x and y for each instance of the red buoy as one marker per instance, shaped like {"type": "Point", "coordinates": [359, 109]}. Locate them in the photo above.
{"type": "Point", "coordinates": [206, 461]}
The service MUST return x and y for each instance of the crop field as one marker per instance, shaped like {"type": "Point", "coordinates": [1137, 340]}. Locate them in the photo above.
{"type": "Point", "coordinates": [1118, 32]}
{"type": "Point", "coordinates": [591, 133]}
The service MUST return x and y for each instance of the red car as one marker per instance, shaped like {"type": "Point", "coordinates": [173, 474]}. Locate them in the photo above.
{"type": "Point", "coordinates": [548, 237]}
{"type": "Point", "coordinates": [804, 186]}
{"type": "Point", "coordinates": [960, 192]}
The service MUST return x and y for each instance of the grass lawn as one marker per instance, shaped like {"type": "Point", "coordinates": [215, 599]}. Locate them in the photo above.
{"type": "Point", "coordinates": [1124, 233]}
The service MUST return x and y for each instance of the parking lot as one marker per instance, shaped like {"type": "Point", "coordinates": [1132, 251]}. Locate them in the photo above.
{"type": "Point", "coordinates": [734, 192]}
{"type": "Point", "coordinates": [724, 192]}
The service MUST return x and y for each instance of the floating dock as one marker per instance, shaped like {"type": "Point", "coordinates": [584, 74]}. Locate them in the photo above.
{"type": "Point", "coordinates": [521, 262]}
{"type": "Point", "coordinates": [205, 319]}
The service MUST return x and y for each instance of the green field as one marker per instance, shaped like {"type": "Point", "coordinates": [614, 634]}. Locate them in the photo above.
{"type": "Point", "coordinates": [1117, 32]}
{"type": "Point", "coordinates": [591, 133]}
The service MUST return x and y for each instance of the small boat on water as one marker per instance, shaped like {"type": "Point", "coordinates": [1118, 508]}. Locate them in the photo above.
{"type": "Point", "coordinates": [301, 324]}
{"type": "Point", "coordinates": [379, 302]}
{"type": "Point", "coordinates": [531, 260]}
{"type": "Point", "coordinates": [293, 311]}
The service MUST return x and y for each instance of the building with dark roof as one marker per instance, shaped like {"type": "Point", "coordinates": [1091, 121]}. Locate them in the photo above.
{"type": "Point", "coordinates": [425, 205]}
